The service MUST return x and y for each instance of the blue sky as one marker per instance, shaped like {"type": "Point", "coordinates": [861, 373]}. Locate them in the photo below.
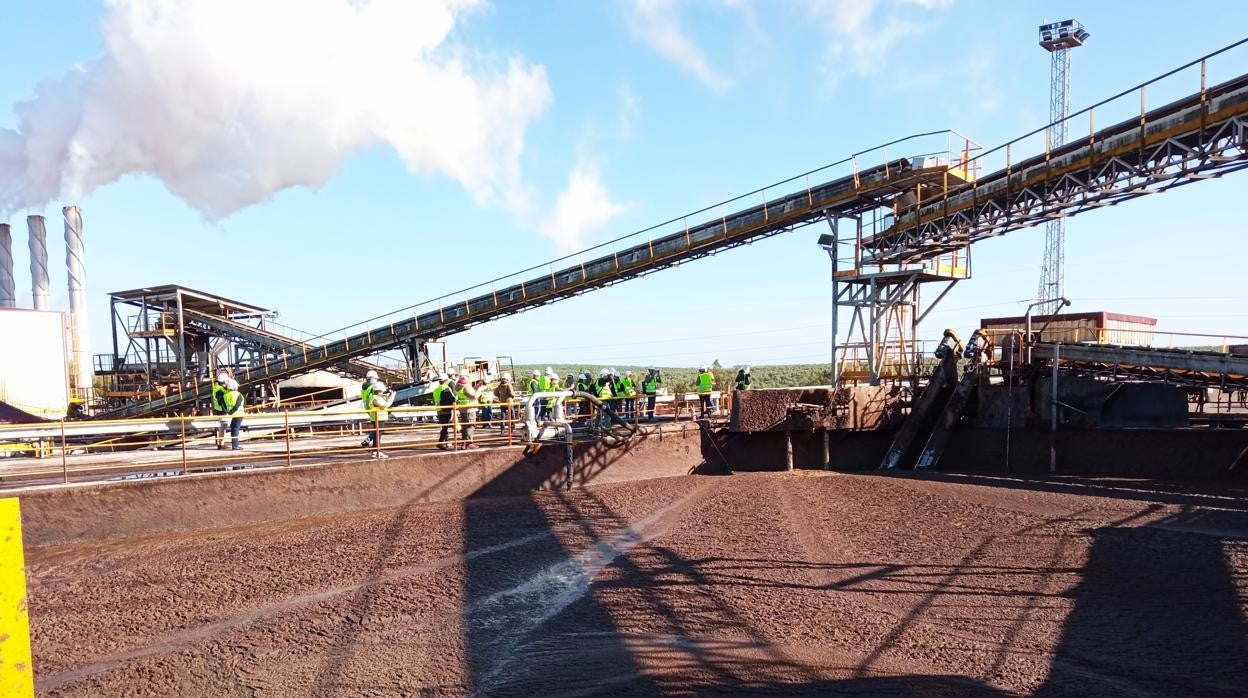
{"type": "Point", "coordinates": [565, 124]}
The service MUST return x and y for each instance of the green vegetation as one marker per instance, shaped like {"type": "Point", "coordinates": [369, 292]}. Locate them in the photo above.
{"type": "Point", "coordinates": [683, 378]}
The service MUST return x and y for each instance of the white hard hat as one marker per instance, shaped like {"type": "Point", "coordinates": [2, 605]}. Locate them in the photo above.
{"type": "Point", "coordinates": [506, 376]}
{"type": "Point", "coordinates": [652, 368]}
{"type": "Point", "coordinates": [703, 368]}
{"type": "Point", "coordinates": [614, 372]}
{"type": "Point", "coordinates": [605, 372]}
{"type": "Point", "coordinates": [585, 375]}
{"type": "Point", "coordinates": [371, 374]}
{"type": "Point", "coordinates": [551, 373]}
{"type": "Point", "coordinates": [231, 384]}
{"type": "Point", "coordinates": [746, 368]}
{"type": "Point", "coordinates": [379, 387]}
{"type": "Point", "coordinates": [536, 372]}
{"type": "Point", "coordinates": [222, 376]}
{"type": "Point", "coordinates": [628, 373]}
{"type": "Point", "coordinates": [550, 370]}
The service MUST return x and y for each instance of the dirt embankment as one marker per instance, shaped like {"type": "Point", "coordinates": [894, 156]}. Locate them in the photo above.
{"type": "Point", "coordinates": [802, 583]}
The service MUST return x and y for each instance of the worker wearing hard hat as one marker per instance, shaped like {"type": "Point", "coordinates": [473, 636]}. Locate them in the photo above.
{"type": "Point", "coordinates": [444, 400]}
{"type": "Point", "coordinates": [366, 401]}
{"type": "Point", "coordinates": [706, 384]}
{"type": "Point", "coordinates": [584, 384]}
{"type": "Point", "coordinates": [650, 388]}
{"type": "Point", "coordinates": [627, 389]}
{"type": "Point", "coordinates": [743, 379]}
{"type": "Point", "coordinates": [234, 410]}
{"type": "Point", "coordinates": [505, 393]}
{"type": "Point", "coordinates": [605, 389]}
{"type": "Point", "coordinates": [378, 412]}
{"type": "Point", "coordinates": [465, 395]}
{"type": "Point", "coordinates": [218, 406]}
{"type": "Point", "coordinates": [485, 398]}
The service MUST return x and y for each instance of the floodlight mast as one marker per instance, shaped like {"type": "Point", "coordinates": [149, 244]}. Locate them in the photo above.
{"type": "Point", "coordinates": [1057, 38]}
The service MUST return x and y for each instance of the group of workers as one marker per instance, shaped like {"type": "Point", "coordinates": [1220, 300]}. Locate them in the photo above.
{"type": "Point", "coordinates": [474, 400]}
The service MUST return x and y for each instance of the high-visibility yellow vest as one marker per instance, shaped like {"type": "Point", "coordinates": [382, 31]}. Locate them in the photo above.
{"type": "Point", "coordinates": [705, 382]}
{"type": "Point", "coordinates": [627, 387]}
{"type": "Point", "coordinates": [366, 394]}
{"type": "Point", "coordinates": [604, 390]}
{"type": "Point", "coordinates": [651, 385]}
{"type": "Point", "coordinates": [461, 397]}
{"type": "Point", "coordinates": [234, 403]}
{"type": "Point", "coordinates": [218, 397]}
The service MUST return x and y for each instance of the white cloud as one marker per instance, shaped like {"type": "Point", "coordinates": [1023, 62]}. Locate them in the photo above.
{"type": "Point", "coordinates": [230, 101]}
{"type": "Point", "coordinates": [657, 23]}
{"type": "Point", "coordinates": [859, 43]}
{"type": "Point", "coordinates": [582, 208]}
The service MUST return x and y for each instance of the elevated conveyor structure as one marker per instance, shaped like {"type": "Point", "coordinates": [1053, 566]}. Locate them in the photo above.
{"type": "Point", "coordinates": [922, 214]}
{"type": "Point", "coordinates": [1179, 366]}
{"type": "Point", "coordinates": [1198, 137]}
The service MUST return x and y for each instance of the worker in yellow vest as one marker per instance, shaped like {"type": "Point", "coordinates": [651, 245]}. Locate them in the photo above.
{"type": "Point", "coordinates": [366, 401]}
{"type": "Point", "coordinates": [218, 406]}
{"type": "Point", "coordinates": [605, 388]}
{"type": "Point", "coordinates": [378, 412]}
{"type": "Point", "coordinates": [650, 388]}
{"type": "Point", "coordinates": [444, 400]}
{"type": "Point", "coordinates": [234, 410]}
{"type": "Point", "coordinates": [628, 389]}
{"type": "Point", "coordinates": [465, 395]}
{"type": "Point", "coordinates": [706, 384]}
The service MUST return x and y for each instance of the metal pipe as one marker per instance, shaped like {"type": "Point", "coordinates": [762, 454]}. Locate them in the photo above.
{"type": "Point", "coordinates": [77, 272]}
{"type": "Point", "coordinates": [8, 289]}
{"type": "Point", "coordinates": [38, 262]}
{"type": "Point", "coordinates": [1057, 351]}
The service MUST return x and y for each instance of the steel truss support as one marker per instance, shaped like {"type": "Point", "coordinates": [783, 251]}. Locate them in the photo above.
{"type": "Point", "coordinates": [884, 307]}
{"type": "Point", "coordinates": [1201, 137]}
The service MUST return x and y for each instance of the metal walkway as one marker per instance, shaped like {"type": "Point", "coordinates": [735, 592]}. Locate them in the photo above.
{"type": "Point", "coordinates": [1203, 135]}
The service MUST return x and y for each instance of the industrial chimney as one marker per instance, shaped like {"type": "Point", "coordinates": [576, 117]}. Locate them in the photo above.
{"type": "Point", "coordinates": [8, 290]}
{"type": "Point", "coordinates": [38, 262]}
{"type": "Point", "coordinates": [80, 364]}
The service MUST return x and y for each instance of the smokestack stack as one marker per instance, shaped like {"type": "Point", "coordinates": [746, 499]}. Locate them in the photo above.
{"type": "Point", "coordinates": [38, 262]}
{"type": "Point", "coordinates": [81, 363]}
{"type": "Point", "coordinates": [8, 290]}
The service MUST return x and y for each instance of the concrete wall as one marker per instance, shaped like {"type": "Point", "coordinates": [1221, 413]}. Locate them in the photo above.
{"type": "Point", "coordinates": [1167, 453]}
{"type": "Point", "coordinates": [73, 513]}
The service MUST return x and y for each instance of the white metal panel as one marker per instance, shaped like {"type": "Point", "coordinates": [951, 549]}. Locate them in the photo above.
{"type": "Point", "coordinates": [34, 377]}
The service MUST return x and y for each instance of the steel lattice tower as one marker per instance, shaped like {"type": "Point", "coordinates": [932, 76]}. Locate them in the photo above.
{"type": "Point", "coordinates": [1057, 38]}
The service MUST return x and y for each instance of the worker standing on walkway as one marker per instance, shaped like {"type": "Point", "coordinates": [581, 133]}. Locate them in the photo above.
{"type": "Point", "coordinates": [485, 398]}
{"type": "Point", "coordinates": [465, 395]}
{"type": "Point", "coordinates": [743, 379]}
{"type": "Point", "coordinates": [533, 387]}
{"type": "Point", "coordinates": [504, 393]}
{"type": "Point", "coordinates": [234, 410]}
{"type": "Point", "coordinates": [605, 391]}
{"type": "Point", "coordinates": [444, 400]}
{"type": "Point", "coordinates": [379, 401]}
{"type": "Point", "coordinates": [218, 406]}
{"type": "Point", "coordinates": [366, 401]}
{"type": "Point", "coordinates": [706, 384]}
{"type": "Point", "coordinates": [628, 388]}
{"type": "Point", "coordinates": [584, 384]}
{"type": "Point", "coordinates": [650, 388]}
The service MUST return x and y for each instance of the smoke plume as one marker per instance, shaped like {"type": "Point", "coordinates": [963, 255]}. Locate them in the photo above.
{"type": "Point", "coordinates": [230, 101]}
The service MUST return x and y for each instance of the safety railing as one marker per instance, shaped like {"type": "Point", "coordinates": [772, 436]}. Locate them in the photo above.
{"type": "Point", "coordinates": [71, 451]}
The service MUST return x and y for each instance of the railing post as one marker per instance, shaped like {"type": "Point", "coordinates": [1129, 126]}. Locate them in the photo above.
{"type": "Point", "coordinates": [286, 421]}
{"type": "Point", "coordinates": [64, 460]}
{"type": "Point", "coordinates": [182, 422]}
{"type": "Point", "coordinates": [511, 421]}
{"type": "Point", "coordinates": [454, 426]}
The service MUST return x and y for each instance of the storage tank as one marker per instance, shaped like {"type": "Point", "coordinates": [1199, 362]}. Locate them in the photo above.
{"type": "Point", "coordinates": [34, 360]}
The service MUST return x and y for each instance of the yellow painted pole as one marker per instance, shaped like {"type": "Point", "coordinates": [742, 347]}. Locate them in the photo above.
{"type": "Point", "coordinates": [17, 677]}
